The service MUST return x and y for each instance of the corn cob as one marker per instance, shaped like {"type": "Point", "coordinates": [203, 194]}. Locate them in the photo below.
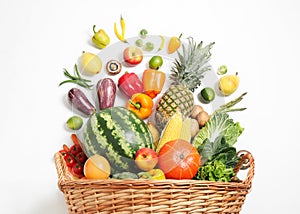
{"type": "Point", "coordinates": [155, 133]}
{"type": "Point", "coordinates": [186, 133]}
{"type": "Point", "coordinates": [171, 131]}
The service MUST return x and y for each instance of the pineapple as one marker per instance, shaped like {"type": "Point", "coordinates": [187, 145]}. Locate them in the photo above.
{"type": "Point", "coordinates": [186, 75]}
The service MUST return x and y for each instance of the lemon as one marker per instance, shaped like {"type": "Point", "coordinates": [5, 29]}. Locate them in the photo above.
{"type": "Point", "coordinates": [206, 95]}
{"type": "Point", "coordinates": [228, 84]}
{"type": "Point", "coordinates": [91, 63]}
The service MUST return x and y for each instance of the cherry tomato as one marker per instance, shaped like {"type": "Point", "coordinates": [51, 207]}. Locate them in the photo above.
{"type": "Point", "coordinates": [75, 149]}
{"type": "Point", "coordinates": [63, 152]}
{"type": "Point", "coordinates": [81, 157]}
{"type": "Point", "coordinates": [77, 169]}
{"type": "Point", "coordinates": [70, 161]}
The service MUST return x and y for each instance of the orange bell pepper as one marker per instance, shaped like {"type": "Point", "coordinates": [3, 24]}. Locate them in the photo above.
{"type": "Point", "coordinates": [141, 104]}
{"type": "Point", "coordinates": [153, 82]}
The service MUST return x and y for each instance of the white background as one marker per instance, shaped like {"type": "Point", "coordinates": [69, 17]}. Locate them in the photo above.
{"type": "Point", "coordinates": [259, 39]}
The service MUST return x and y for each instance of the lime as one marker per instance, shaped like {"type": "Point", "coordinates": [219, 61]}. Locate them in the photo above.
{"type": "Point", "coordinates": [155, 62]}
{"type": "Point", "coordinates": [206, 95]}
{"type": "Point", "coordinates": [74, 122]}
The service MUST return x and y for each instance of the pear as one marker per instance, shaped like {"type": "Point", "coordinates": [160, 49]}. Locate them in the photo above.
{"type": "Point", "coordinates": [91, 63]}
{"type": "Point", "coordinates": [228, 84]}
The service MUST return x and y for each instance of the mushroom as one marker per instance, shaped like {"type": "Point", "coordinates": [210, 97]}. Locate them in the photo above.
{"type": "Point", "coordinates": [113, 67]}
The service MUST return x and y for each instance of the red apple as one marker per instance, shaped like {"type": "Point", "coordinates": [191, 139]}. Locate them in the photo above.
{"type": "Point", "coordinates": [146, 159]}
{"type": "Point", "coordinates": [132, 55]}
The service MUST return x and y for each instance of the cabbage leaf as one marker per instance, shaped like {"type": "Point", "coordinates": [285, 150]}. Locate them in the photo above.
{"type": "Point", "coordinates": [219, 124]}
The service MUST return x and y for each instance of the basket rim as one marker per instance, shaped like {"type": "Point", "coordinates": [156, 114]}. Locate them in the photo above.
{"type": "Point", "coordinates": [65, 180]}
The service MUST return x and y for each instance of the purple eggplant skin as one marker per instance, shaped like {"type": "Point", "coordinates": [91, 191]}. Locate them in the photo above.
{"type": "Point", "coordinates": [106, 92]}
{"type": "Point", "coordinates": [80, 101]}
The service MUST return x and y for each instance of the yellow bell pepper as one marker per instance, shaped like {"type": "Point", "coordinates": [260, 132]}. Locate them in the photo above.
{"type": "Point", "coordinates": [100, 38]}
{"type": "Point", "coordinates": [153, 174]}
{"type": "Point", "coordinates": [174, 44]}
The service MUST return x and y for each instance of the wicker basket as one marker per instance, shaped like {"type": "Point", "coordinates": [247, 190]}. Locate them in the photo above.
{"type": "Point", "coordinates": [158, 196]}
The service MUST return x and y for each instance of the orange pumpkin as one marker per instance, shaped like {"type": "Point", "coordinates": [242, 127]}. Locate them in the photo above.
{"type": "Point", "coordinates": [179, 159]}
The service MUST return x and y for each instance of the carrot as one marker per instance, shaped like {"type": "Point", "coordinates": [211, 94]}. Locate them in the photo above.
{"type": "Point", "coordinates": [65, 147]}
{"type": "Point", "coordinates": [75, 139]}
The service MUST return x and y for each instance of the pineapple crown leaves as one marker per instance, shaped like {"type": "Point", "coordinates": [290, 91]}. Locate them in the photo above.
{"type": "Point", "coordinates": [192, 63]}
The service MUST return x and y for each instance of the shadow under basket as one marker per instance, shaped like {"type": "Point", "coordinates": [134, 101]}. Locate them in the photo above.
{"type": "Point", "coordinates": [86, 196]}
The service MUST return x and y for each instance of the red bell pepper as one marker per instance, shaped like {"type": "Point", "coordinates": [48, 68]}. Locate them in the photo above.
{"type": "Point", "coordinates": [130, 84]}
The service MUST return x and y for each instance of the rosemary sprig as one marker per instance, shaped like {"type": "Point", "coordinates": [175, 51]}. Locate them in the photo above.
{"type": "Point", "coordinates": [77, 79]}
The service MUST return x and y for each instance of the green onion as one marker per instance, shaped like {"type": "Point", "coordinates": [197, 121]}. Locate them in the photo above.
{"type": "Point", "coordinates": [77, 79]}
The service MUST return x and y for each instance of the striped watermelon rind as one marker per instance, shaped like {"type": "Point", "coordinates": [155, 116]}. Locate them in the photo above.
{"type": "Point", "coordinates": [116, 133]}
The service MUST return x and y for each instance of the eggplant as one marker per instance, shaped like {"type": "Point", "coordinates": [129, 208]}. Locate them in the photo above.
{"type": "Point", "coordinates": [81, 102]}
{"type": "Point", "coordinates": [106, 92]}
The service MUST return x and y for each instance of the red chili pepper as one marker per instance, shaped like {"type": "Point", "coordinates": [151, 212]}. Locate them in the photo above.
{"type": "Point", "coordinates": [130, 84]}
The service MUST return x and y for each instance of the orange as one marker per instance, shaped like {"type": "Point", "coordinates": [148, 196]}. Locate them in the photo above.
{"type": "Point", "coordinates": [97, 167]}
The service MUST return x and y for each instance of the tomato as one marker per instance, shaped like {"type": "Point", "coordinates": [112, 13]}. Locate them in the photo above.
{"type": "Point", "coordinates": [70, 161]}
{"type": "Point", "coordinates": [77, 169]}
{"type": "Point", "coordinates": [81, 157]}
{"type": "Point", "coordinates": [63, 152]}
{"type": "Point", "coordinates": [179, 159]}
{"type": "Point", "coordinates": [75, 149]}
{"type": "Point", "coordinates": [96, 167]}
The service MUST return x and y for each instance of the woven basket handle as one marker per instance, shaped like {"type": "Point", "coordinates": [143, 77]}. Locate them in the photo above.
{"type": "Point", "coordinates": [246, 162]}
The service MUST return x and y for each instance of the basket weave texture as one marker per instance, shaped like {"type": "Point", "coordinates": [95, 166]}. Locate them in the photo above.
{"type": "Point", "coordinates": [154, 196]}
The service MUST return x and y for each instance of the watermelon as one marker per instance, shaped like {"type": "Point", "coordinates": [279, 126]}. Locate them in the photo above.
{"type": "Point", "coordinates": [116, 133]}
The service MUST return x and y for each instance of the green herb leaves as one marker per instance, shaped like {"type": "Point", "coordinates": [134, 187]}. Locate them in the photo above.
{"type": "Point", "coordinates": [219, 160]}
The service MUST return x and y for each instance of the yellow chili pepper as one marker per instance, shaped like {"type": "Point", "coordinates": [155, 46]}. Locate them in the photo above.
{"type": "Point", "coordinates": [153, 81]}
{"type": "Point", "coordinates": [174, 44]}
{"type": "Point", "coordinates": [120, 36]}
{"type": "Point", "coordinates": [153, 174]}
{"type": "Point", "coordinates": [162, 44]}
{"type": "Point", "coordinates": [141, 104]}
{"type": "Point", "coordinates": [123, 27]}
